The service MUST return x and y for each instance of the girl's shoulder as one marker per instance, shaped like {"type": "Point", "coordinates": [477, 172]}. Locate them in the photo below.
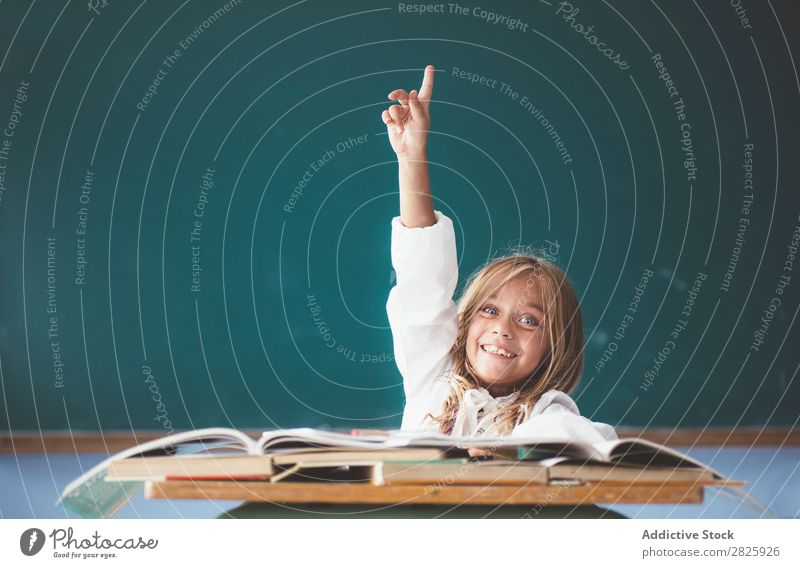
{"type": "Point", "coordinates": [554, 397]}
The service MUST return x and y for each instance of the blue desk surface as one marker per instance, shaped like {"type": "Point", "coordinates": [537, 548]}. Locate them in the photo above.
{"type": "Point", "coordinates": [31, 483]}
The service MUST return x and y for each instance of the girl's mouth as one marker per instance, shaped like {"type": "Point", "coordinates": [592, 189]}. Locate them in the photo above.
{"type": "Point", "coordinates": [497, 352]}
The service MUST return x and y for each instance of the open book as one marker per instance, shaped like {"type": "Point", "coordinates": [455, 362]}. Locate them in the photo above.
{"type": "Point", "coordinates": [630, 453]}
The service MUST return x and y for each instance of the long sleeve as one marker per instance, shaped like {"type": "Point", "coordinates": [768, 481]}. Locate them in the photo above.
{"type": "Point", "coordinates": [556, 417]}
{"type": "Point", "coordinates": [422, 314]}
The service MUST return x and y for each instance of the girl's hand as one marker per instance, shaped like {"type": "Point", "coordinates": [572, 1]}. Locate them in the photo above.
{"type": "Point", "coordinates": [408, 122]}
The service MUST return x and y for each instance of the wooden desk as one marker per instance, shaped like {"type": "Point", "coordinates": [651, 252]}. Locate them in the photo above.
{"type": "Point", "coordinates": [363, 493]}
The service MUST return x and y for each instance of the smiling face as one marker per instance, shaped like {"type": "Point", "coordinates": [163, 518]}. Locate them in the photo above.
{"type": "Point", "coordinates": [507, 337]}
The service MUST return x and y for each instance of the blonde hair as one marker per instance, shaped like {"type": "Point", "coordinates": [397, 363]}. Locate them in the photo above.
{"type": "Point", "coordinates": [560, 368]}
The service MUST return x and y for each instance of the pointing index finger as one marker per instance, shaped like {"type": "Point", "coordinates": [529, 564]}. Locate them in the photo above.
{"type": "Point", "coordinates": [426, 89]}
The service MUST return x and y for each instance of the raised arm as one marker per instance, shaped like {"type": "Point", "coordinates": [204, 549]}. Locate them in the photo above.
{"type": "Point", "coordinates": [422, 314]}
{"type": "Point", "coordinates": [407, 125]}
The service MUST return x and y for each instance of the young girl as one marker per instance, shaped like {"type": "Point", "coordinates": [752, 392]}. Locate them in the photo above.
{"type": "Point", "coordinates": [502, 361]}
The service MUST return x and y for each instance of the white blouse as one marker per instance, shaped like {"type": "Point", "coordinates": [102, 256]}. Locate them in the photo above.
{"type": "Point", "coordinates": [424, 322]}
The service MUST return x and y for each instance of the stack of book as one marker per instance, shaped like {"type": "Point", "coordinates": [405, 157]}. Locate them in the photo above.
{"type": "Point", "coordinates": [402, 457]}
{"type": "Point", "coordinates": [390, 457]}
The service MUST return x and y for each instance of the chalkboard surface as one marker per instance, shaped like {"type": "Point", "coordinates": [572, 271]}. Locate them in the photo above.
{"type": "Point", "coordinates": [195, 202]}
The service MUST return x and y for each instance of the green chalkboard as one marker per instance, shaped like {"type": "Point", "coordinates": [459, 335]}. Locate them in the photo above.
{"type": "Point", "coordinates": [195, 202]}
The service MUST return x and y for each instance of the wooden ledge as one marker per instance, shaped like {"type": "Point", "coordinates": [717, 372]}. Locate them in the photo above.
{"type": "Point", "coordinates": [365, 493]}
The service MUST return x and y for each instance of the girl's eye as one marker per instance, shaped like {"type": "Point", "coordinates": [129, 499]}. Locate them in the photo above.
{"type": "Point", "coordinates": [530, 321]}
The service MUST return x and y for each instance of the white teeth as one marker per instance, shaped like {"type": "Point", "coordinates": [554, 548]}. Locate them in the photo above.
{"type": "Point", "coordinates": [493, 349]}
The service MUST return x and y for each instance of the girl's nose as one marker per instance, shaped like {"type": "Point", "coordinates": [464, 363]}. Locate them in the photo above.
{"type": "Point", "coordinates": [501, 329]}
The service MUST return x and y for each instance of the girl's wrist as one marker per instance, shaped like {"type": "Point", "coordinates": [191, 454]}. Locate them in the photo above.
{"type": "Point", "coordinates": [413, 156]}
